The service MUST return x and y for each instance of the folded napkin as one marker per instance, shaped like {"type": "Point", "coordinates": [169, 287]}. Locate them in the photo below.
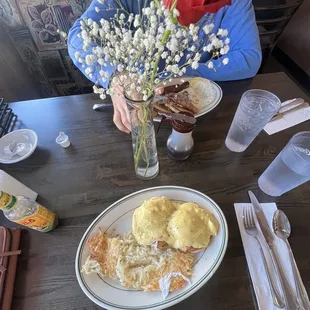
{"type": "Point", "coordinates": [254, 259]}
{"type": "Point", "coordinates": [289, 118]}
{"type": "Point", "coordinates": [13, 187]}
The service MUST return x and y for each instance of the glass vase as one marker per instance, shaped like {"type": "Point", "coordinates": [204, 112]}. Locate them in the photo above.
{"type": "Point", "coordinates": [143, 136]}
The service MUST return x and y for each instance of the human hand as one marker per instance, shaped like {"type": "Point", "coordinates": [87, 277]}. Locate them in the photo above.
{"type": "Point", "coordinates": [158, 91]}
{"type": "Point", "coordinates": [121, 117]}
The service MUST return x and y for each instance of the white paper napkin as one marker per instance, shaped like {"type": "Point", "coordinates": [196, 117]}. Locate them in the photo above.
{"type": "Point", "coordinates": [289, 119]}
{"type": "Point", "coordinates": [254, 259]}
{"type": "Point", "coordinates": [11, 186]}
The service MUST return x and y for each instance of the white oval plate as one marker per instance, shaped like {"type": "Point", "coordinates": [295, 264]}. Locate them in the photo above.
{"type": "Point", "coordinates": [212, 105]}
{"type": "Point", "coordinates": [108, 293]}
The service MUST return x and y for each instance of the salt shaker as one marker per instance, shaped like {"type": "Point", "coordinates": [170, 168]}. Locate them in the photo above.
{"type": "Point", "coordinates": [180, 143]}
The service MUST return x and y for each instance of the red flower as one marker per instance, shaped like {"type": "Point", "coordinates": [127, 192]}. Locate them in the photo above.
{"type": "Point", "coordinates": [191, 11]}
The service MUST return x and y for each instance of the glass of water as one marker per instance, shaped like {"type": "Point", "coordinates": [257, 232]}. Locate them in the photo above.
{"type": "Point", "coordinates": [255, 110]}
{"type": "Point", "coordinates": [290, 168]}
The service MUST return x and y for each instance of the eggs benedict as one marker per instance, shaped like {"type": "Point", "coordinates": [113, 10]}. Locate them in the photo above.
{"type": "Point", "coordinates": [191, 227]}
{"type": "Point", "coordinates": [186, 226]}
{"type": "Point", "coordinates": [149, 221]}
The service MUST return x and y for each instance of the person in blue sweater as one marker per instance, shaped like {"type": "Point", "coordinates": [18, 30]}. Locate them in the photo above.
{"type": "Point", "coordinates": [244, 54]}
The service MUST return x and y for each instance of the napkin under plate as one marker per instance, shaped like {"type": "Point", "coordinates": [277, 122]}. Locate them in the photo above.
{"type": "Point", "coordinates": [254, 259]}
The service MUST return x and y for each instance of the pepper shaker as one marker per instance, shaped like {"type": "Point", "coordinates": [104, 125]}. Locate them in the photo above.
{"type": "Point", "coordinates": [180, 143]}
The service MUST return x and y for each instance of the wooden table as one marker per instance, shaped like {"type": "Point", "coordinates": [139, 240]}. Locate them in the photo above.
{"type": "Point", "coordinates": [80, 182]}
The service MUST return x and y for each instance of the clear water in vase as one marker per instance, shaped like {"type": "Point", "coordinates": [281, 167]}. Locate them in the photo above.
{"type": "Point", "coordinates": [145, 151]}
{"type": "Point", "coordinates": [142, 134]}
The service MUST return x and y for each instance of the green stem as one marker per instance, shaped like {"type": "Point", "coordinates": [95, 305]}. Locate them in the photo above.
{"type": "Point", "coordinates": [173, 19]}
{"type": "Point", "coordinates": [121, 7]}
{"type": "Point", "coordinates": [142, 124]}
{"type": "Point", "coordinates": [157, 4]}
{"type": "Point", "coordinates": [141, 138]}
{"type": "Point", "coordinates": [163, 41]}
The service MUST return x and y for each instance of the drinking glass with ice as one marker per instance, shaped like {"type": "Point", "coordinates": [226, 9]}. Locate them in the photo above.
{"type": "Point", "coordinates": [255, 110]}
{"type": "Point", "coordinates": [290, 168]}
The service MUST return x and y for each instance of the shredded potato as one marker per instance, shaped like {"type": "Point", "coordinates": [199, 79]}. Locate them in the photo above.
{"type": "Point", "coordinates": [136, 266]}
{"type": "Point", "coordinates": [105, 251]}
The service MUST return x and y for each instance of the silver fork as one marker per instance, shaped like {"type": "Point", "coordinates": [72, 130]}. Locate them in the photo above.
{"type": "Point", "coordinates": [250, 227]}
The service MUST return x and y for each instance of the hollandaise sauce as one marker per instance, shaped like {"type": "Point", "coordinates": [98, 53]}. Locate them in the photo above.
{"type": "Point", "coordinates": [180, 225]}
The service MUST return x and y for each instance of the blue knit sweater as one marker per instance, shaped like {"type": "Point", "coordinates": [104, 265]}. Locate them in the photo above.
{"type": "Point", "coordinates": [238, 18]}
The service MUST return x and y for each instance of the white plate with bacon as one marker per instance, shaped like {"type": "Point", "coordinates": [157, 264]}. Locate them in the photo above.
{"type": "Point", "coordinates": [110, 230]}
{"type": "Point", "coordinates": [189, 94]}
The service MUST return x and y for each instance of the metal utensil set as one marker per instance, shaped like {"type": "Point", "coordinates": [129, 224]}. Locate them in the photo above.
{"type": "Point", "coordinates": [256, 225]}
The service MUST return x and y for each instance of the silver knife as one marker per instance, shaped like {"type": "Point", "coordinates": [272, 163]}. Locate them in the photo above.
{"type": "Point", "coordinates": [290, 299]}
{"type": "Point", "coordinates": [281, 114]}
{"type": "Point", "coordinates": [290, 103]}
{"type": "Point", "coordinates": [179, 116]}
{"type": "Point", "coordinates": [287, 106]}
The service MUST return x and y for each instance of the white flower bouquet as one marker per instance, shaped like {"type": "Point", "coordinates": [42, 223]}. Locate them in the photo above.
{"type": "Point", "coordinates": [139, 52]}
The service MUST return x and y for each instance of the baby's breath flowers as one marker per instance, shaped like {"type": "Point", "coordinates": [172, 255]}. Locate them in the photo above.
{"type": "Point", "coordinates": [145, 49]}
{"type": "Point", "coordinates": [136, 52]}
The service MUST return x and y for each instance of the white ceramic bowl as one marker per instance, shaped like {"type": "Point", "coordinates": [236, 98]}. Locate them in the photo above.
{"type": "Point", "coordinates": [108, 293]}
{"type": "Point", "coordinates": [20, 136]}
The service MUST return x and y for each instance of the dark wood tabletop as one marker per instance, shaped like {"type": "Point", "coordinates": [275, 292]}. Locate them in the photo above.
{"type": "Point", "coordinates": [80, 182]}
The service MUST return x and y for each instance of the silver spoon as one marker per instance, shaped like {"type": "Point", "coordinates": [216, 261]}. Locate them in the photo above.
{"type": "Point", "coordinates": [282, 229]}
